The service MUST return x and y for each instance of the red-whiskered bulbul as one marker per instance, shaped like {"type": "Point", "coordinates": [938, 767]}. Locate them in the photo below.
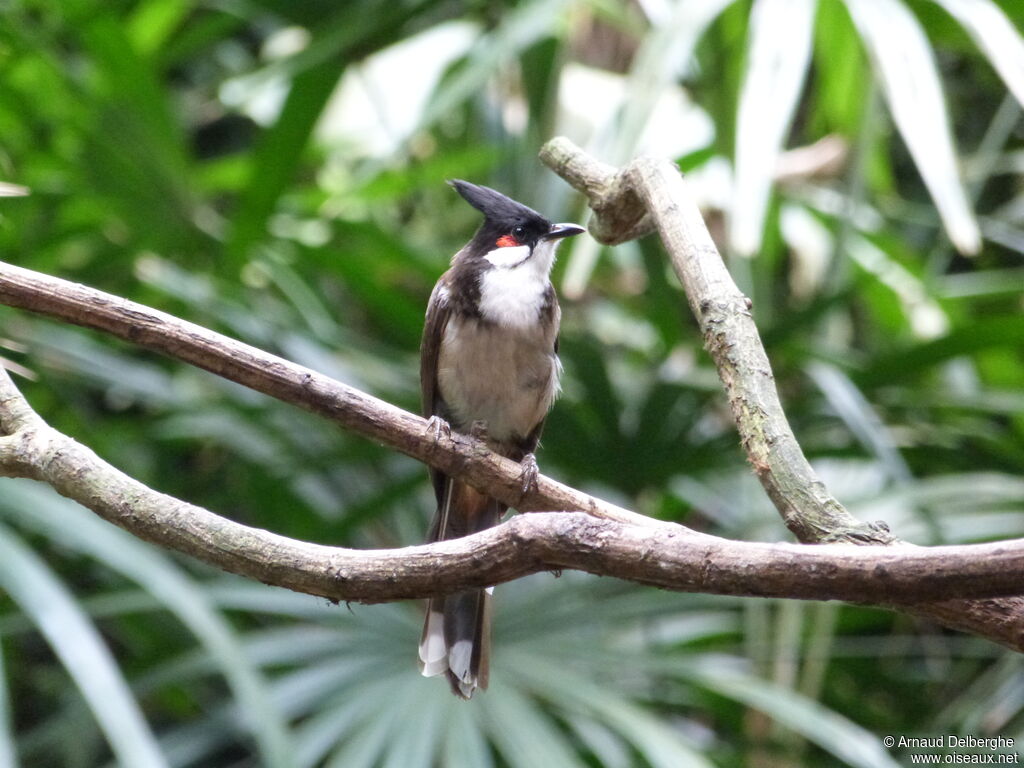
{"type": "Point", "coordinates": [488, 366]}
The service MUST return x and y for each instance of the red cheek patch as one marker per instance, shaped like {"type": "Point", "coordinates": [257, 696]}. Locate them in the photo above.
{"type": "Point", "coordinates": [507, 241]}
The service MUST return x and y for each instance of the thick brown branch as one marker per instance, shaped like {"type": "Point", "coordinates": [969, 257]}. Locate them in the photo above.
{"type": "Point", "coordinates": [669, 557]}
{"type": "Point", "coordinates": [732, 340]}
{"type": "Point", "coordinates": [357, 411]}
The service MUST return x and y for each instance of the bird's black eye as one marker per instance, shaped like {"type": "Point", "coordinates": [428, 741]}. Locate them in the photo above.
{"type": "Point", "coordinates": [518, 232]}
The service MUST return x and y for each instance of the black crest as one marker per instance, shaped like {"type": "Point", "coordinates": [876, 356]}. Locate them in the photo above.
{"type": "Point", "coordinates": [496, 207]}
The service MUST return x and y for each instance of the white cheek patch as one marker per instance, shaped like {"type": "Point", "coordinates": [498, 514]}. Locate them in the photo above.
{"type": "Point", "coordinates": [508, 257]}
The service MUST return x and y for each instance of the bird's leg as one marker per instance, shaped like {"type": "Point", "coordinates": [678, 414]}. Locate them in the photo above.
{"type": "Point", "coordinates": [528, 473]}
{"type": "Point", "coordinates": [478, 429]}
{"type": "Point", "coordinates": [438, 428]}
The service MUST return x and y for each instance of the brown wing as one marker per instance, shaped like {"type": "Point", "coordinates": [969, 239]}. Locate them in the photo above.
{"type": "Point", "coordinates": [438, 312]}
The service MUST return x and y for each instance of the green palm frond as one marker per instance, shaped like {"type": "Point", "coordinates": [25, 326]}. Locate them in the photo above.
{"type": "Point", "coordinates": [72, 527]}
{"type": "Point", "coordinates": [76, 641]}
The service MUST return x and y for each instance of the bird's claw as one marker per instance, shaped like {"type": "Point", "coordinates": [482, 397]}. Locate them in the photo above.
{"type": "Point", "coordinates": [478, 429]}
{"type": "Point", "coordinates": [438, 428]}
{"type": "Point", "coordinates": [528, 473]}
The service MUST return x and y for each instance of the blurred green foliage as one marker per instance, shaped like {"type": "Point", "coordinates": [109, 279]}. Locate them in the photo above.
{"type": "Point", "coordinates": [275, 171]}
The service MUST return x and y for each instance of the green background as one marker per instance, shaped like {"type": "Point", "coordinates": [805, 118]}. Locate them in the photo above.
{"type": "Point", "coordinates": [275, 170]}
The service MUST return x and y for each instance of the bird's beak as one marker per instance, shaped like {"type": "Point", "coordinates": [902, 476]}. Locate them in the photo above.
{"type": "Point", "coordinates": [558, 231]}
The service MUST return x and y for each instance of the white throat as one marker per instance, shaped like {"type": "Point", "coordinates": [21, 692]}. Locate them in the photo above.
{"type": "Point", "coordinates": [512, 291]}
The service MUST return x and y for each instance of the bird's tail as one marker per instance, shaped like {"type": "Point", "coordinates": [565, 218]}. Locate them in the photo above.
{"type": "Point", "coordinates": [456, 637]}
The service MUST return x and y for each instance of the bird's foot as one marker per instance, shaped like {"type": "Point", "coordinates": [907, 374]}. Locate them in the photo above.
{"type": "Point", "coordinates": [528, 473]}
{"type": "Point", "coordinates": [478, 429]}
{"type": "Point", "coordinates": [438, 428]}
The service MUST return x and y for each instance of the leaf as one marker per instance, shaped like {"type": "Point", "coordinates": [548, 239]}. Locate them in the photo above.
{"type": "Point", "coordinates": [465, 746]}
{"type": "Point", "coordinates": [523, 735]}
{"type": "Point", "coordinates": [903, 364]}
{"type": "Point", "coordinates": [416, 742]}
{"type": "Point", "coordinates": [78, 644]}
{"type": "Point", "coordinates": [857, 413]}
{"type": "Point", "coordinates": [314, 73]}
{"type": "Point", "coordinates": [8, 752]}
{"type": "Point", "coordinates": [995, 34]}
{"type": "Point", "coordinates": [665, 52]}
{"type": "Point", "coordinates": [154, 21]}
{"type": "Point", "coordinates": [819, 725]}
{"type": "Point", "coordinates": [371, 743]}
{"type": "Point", "coordinates": [78, 529]}
{"type": "Point", "coordinates": [660, 746]}
{"type": "Point", "coordinates": [521, 27]}
{"type": "Point", "coordinates": [779, 54]}
{"type": "Point", "coordinates": [906, 69]}
{"type": "Point", "coordinates": [986, 282]}
{"type": "Point", "coordinates": [839, 64]}
{"type": "Point", "coordinates": [276, 160]}
{"type": "Point", "coordinates": [318, 734]}
{"type": "Point", "coordinates": [127, 79]}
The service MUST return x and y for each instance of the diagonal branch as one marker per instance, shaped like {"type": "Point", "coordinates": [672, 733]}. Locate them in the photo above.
{"type": "Point", "coordinates": [457, 455]}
